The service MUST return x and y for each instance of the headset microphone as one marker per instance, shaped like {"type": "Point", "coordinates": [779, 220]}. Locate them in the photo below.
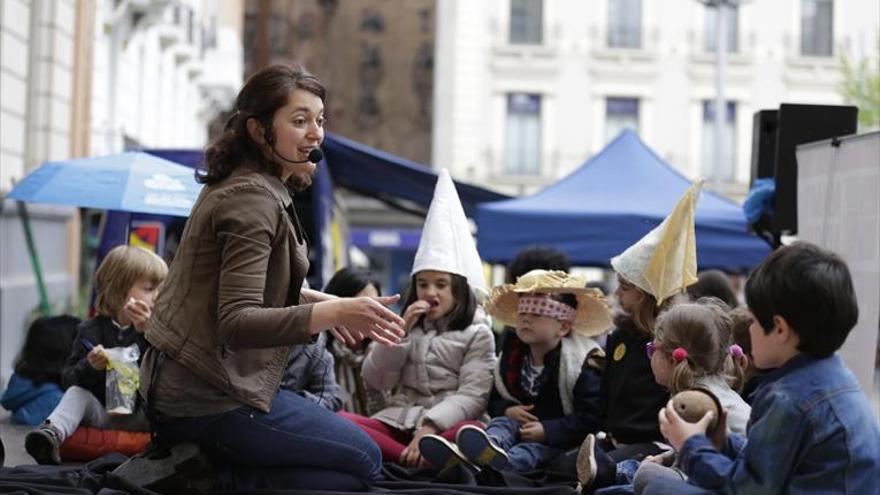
{"type": "Point", "coordinates": [315, 156]}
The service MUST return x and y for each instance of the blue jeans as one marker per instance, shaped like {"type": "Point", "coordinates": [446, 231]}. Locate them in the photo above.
{"type": "Point", "coordinates": [522, 456]}
{"type": "Point", "coordinates": [669, 486]}
{"type": "Point", "coordinates": [296, 444]}
{"type": "Point", "coordinates": [623, 481]}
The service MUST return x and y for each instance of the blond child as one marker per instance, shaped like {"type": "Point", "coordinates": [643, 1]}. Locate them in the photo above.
{"type": "Point", "coordinates": [127, 282]}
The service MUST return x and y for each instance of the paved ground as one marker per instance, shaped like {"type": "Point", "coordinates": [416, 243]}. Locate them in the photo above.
{"type": "Point", "coordinates": [13, 442]}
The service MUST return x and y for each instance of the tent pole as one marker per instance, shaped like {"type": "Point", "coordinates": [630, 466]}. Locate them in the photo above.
{"type": "Point", "coordinates": [45, 310]}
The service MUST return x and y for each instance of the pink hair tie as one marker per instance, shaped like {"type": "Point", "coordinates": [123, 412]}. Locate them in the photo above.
{"type": "Point", "coordinates": [679, 354]}
{"type": "Point", "coordinates": [736, 351]}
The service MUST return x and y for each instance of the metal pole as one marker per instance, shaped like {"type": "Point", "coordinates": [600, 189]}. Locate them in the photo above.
{"type": "Point", "coordinates": [720, 105]}
{"type": "Point", "coordinates": [36, 267]}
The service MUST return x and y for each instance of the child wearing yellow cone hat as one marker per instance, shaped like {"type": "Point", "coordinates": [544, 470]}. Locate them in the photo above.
{"type": "Point", "coordinates": [440, 375]}
{"type": "Point", "coordinates": [650, 274]}
{"type": "Point", "coordinates": [546, 393]}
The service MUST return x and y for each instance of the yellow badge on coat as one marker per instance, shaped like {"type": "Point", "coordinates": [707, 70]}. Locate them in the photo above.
{"type": "Point", "coordinates": [619, 351]}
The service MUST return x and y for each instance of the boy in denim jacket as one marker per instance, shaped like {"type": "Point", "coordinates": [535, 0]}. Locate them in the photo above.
{"type": "Point", "coordinates": [811, 429]}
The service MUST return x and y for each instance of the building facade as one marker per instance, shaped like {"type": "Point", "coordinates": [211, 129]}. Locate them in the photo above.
{"type": "Point", "coordinates": [527, 90]}
{"type": "Point", "coordinates": [84, 78]}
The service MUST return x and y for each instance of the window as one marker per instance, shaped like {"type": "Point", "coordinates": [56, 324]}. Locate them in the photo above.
{"type": "Point", "coordinates": [711, 36]}
{"type": "Point", "coordinates": [726, 170]}
{"type": "Point", "coordinates": [625, 23]}
{"type": "Point", "coordinates": [522, 136]}
{"type": "Point", "coordinates": [526, 22]}
{"type": "Point", "coordinates": [620, 114]}
{"type": "Point", "coordinates": [816, 31]}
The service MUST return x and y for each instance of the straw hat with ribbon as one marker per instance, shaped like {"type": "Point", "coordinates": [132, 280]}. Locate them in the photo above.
{"type": "Point", "coordinates": [593, 315]}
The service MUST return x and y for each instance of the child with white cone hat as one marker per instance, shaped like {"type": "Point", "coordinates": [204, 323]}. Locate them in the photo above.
{"type": "Point", "coordinates": [546, 393]}
{"type": "Point", "coordinates": [650, 273]}
{"type": "Point", "coordinates": [440, 375]}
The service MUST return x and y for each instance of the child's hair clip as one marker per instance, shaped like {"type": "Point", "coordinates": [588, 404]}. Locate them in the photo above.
{"type": "Point", "coordinates": [679, 354]}
{"type": "Point", "coordinates": [736, 351]}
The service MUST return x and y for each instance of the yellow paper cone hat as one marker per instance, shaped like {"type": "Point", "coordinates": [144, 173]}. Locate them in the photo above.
{"type": "Point", "coordinates": [664, 261]}
{"type": "Point", "coordinates": [446, 244]}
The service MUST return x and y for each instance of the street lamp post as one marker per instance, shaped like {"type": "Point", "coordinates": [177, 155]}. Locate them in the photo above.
{"type": "Point", "coordinates": [720, 148]}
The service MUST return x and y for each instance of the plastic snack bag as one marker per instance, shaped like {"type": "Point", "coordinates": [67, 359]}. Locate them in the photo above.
{"type": "Point", "coordinates": [123, 378]}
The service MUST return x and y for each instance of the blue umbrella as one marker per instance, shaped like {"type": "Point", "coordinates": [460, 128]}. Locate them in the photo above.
{"type": "Point", "coordinates": [133, 181]}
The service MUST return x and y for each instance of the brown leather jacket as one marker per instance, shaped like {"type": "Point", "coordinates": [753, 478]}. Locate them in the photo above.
{"type": "Point", "coordinates": [228, 309]}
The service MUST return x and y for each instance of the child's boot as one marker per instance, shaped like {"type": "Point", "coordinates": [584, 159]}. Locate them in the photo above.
{"type": "Point", "coordinates": [43, 444]}
{"type": "Point", "coordinates": [442, 454]}
{"type": "Point", "coordinates": [476, 445]}
{"type": "Point", "coordinates": [595, 468]}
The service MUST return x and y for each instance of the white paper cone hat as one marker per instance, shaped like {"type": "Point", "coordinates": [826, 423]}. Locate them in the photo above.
{"type": "Point", "coordinates": [447, 244]}
{"type": "Point", "coordinates": [664, 261]}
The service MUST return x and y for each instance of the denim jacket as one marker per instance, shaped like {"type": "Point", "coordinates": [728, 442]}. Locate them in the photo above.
{"type": "Point", "coordinates": [811, 431]}
{"type": "Point", "coordinates": [310, 373]}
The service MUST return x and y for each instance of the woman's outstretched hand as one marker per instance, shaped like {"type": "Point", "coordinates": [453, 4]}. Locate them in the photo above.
{"type": "Point", "coordinates": [354, 319]}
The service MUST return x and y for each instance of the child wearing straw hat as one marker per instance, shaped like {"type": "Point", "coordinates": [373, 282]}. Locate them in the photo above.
{"type": "Point", "coordinates": [546, 392]}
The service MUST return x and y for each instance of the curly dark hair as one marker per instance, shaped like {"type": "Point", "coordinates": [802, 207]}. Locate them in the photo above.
{"type": "Point", "coordinates": [534, 258]}
{"type": "Point", "coordinates": [262, 95]}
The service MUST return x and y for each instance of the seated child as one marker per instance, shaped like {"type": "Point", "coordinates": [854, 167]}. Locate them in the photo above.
{"type": "Point", "coordinates": [34, 388]}
{"type": "Point", "coordinates": [752, 376]}
{"type": "Point", "coordinates": [310, 374]}
{"type": "Point", "coordinates": [349, 357]}
{"type": "Point", "coordinates": [811, 429]}
{"type": "Point", "coordinates": [545, 398]}
{"type": "Point", "coordinates": [651, 276]}
{"type": "Point", "coordinates": [692, 348]}
{"type": "Point", "coordinates": [126, 283]}
{"type": "Point", "coordinates": [440, 375]}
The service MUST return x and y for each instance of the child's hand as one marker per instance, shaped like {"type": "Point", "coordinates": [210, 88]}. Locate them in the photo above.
{"type": "Point", "coordinates": [138, 312]}
{"type": "Point", "coordinates": [664, 459]}
{"type": "Point", "coordinates": [677, 430]}
{"type": "Point", "coordinates": [97, 358]}
{"type": "Point", "coordinates": [413, 313]}
{"type": "Point", "coordinates": [521, 414]}
{"type": "Point", "coordinates": [411, 456]}
{"type": "Point", "coordinates": [533, 432]}
{"type": "Point", "coordinates": [718, 435]}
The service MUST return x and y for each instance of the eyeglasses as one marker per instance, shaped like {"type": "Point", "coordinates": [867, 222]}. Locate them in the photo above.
{"type": "Point", "coordinates": [650, 348]}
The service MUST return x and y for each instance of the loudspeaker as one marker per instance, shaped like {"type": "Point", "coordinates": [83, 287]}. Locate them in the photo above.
{"type": "Point", "coordinates": [764, 127]}
{"type": "Point", "coordinates": [800, 124]}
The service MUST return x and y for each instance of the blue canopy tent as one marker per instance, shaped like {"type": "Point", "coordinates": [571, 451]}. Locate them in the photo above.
{"type": "Point", "coordinates": [609, 203]}
{"type": "Point", "coordinates": [384, 176]}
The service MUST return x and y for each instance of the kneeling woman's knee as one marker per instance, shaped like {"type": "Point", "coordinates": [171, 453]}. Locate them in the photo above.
{"type": "Point", "coordinates": [374, 455]}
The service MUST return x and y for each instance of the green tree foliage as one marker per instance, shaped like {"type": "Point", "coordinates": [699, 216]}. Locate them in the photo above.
{"type": "Point", "coordinates": [861, 87]}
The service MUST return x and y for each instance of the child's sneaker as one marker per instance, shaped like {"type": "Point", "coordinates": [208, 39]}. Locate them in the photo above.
{"type": "Point", "coordinates": [476, 445]}
{"type": "Point", "coordinates": [43, 444]}
{"type": "Point", "coordinates": [595, 468]}
{"type": "Point", "coordinates": [442, 454]}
